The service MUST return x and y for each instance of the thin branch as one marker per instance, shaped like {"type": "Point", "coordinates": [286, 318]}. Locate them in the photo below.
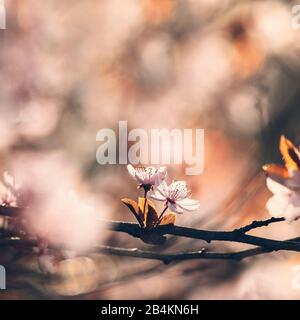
{"type": "Point", "coordinates": [232, 236]}
{"type": "Point", "coordinates": [181, 256]}
{"type": "Point", "coordinates": [9, 211]}
{"type": "Point", "coordinates": [257, 224]}
{"type": "Point", "coordinates": [238, 235]}
{"type": "Point", "coordinates": [202, 254]}
{"type": "Point", "coordinates": [163, 257]}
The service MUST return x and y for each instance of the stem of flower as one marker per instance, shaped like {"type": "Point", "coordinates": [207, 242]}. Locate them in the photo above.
{"type": "Point", "coordinates": [145, 196]}
{"type": "Point", "coordinates": [161, 215]}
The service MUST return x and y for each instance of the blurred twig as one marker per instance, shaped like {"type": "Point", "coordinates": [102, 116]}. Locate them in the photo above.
{"type": "Point", "coordinates": [238, 235]}
{"type": "Point", "coordinates": [164, 257]}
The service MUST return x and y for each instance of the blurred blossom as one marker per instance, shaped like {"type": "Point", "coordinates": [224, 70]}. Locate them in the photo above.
{"type": "Point", "coordinates": [157, 12]}
{"type": "Point", "coordinates": [244, 111]}
{"type": "Point", "coordinates": [8, 190]}
{"type": "Point", "coordinates": [79, 275]}
{"type": "Point", "coordinates": [206, 8]}
{"type": "Point", "coordinates": [118, 27]}
{"type": "Point", "coordinates": [203, 69]}
{"type": "Point", "coordinates": [246, 53]}
{"type": "Point", "coordinates": [284, 202]}
{"type": "Point", "coordinates": [37, 119]}
{"type": "Point", "coordinates": [54, 210]}
{"type": "Point", "coordinates": [47, 263]}
{"type": "Point", "coordinates": [273, 26]}
{"type": "Point", "coordinates": [156, 62]}
{"type": "Point", "coordinates": [7, 133]}
{"type": "Point", "coordinates": [284, 183]}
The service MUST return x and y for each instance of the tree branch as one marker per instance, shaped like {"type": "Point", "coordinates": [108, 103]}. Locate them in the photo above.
{"type": "Point", "coordinates": [134, 230]}
{"type": "Point", "coordinates": [263, 245]}
{"type": "Point", "coordinates": [182, 256]}
{"type": "Point", "coordinates": [257, 224]}
{"type": "Point", "coordinates": [163, 257]}
{"type": "Point", "coordinates": [9, 211]}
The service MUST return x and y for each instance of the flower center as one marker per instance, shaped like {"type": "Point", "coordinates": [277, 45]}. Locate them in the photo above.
{"type": "Point", "coordinates": [171, 200]}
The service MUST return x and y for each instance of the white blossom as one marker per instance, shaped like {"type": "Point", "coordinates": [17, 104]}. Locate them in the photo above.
{"type": "Point", "coordinates": [285, 201]}
{"type": "Point", "coordinates": [147, 175]}
{"type": "Point", "coordinates": [8, 190]}
{"type": "Point", "coordinates": [176, 197]}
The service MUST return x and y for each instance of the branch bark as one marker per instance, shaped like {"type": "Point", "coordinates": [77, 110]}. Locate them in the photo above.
{"type": "Point", "coordinates": [163, 257]}
{"type": "Point", "coordinates": [134, 230]}
{"type": "Point", "coordinates": [263, 245]}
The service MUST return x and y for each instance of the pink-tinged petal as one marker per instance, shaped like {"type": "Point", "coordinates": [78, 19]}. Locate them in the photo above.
{"type": "Point", "coordinates": [188, 204]}
{"type": "Point", "coordinates": [293, 183]}
{"type": "Point", "coordinates": [277, 206]}
{"type": "Point", "coordinates": [8, 179]}
{"type": "Point", "coordinates": [150, 172]}
{"type": "Point", "coordinates": [150, 175]}
{"type": "Point", "coordinates": [163, 189]}
{"type": "Point", "coordinates": [139, 177]}
{"type": "Point", "coordinates": [145, 175]}
{"type": "Point", "coordinates": [295, 199]}
{"type": "Point", "coordinates": [47, 263]}
{"type": "Point", "coordinates": [277, 188]}
{"type": "Point", "coordinates": [175, 208]}
{"type": "Point", "coordinates": [131, 171]}
{"type": "Point", "coordinates": [160, 175]}
{"type": "Point", "coordinates": [292, 213]}
{"type": "Point", "coordinates": [157, 196]}
{"type": "Point", "coordinates": [162, 170]}
{"type": "Point", "coordinates": [177, 190]}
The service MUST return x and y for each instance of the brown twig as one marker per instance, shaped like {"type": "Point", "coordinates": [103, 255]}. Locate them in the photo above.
{"type": "Point", "coordinates": [206, 235]}
{"type": "Point", "coordinates": [239, 236]}
{"type": "Point", "coordinates": [164, 257]}
{"type": "Point", "coordinates": [257, 224]}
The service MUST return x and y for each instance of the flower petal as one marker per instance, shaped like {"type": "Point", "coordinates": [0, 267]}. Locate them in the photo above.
{"type": "Point", "coordinates": [139, 177]}
{"type": "Point", "coordinates": [131, 171]}
{"type": "Point", "coordinates": [163, 189]}
{"type": "Point", "coordinates": [160, 175]}
{"type": "Point", "coordinates": [277, 188]}
{"type": "Point", "coordinates": [157, 196]}
{"type": "Point", "coordinates": [188, 204]}
{"type": "Point", "coordinates": [292, 213]}
{"type": "Point", "coordinates": [293, 182]}
{"type": "Point", "coordinates": [177, 190]}
{"type": "Point", "coordinates": [277, 206]}
{"type": "Point", "coordinates": [175, 208]}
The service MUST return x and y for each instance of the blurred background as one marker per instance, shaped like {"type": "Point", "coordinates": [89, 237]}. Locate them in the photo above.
{"type": "Point", "coordinates": [70, 68]}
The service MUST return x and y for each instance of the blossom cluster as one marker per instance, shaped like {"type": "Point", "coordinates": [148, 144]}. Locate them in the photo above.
{"type": "Point", "coordinates": [175, 197]}
{"type": "Point", "coordinates": [284, 183]}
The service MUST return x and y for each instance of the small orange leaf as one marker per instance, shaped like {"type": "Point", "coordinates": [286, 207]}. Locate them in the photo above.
{"type": "Point", "coordinates": [169, 218]}
{"type": "Point", "coordinates": [290, 154]}
{"type": "Point", "coordinates": [134, 208]}
{"type": "Point", "coordinates": [147, 212]}
{"type": "Point", "coordinates": [131, 204]}
{"type": "Point", "coordinates": [274, 169]}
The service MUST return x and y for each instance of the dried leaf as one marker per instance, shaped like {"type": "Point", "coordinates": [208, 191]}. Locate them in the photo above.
{"type": "Point", "coordinates": [168, 218]}
{"type": "Point", "coordinates": [134, 208]}
{"type": "Point", "coordinates": [289, 153]}
{"type": "Point", "coordinates": [277, 170]}
{"type": "Point", "coordinates": [131, 204]}
{"type": "Point", "coordinates": [147, 212]}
